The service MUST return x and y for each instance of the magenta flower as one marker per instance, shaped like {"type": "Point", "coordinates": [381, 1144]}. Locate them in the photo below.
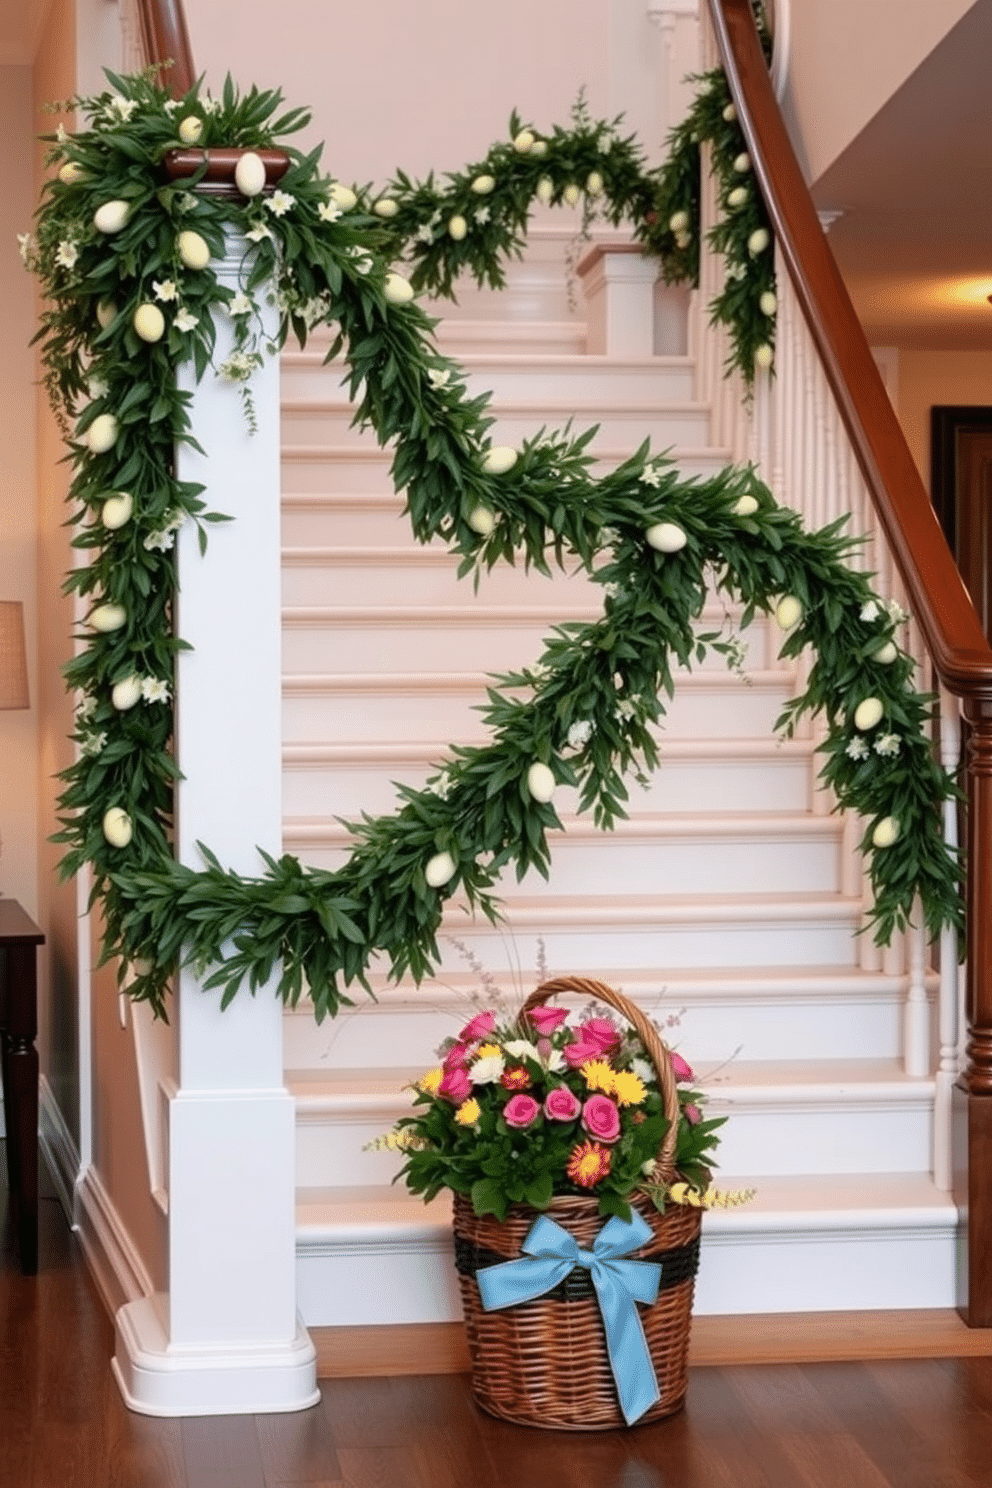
{"type": "Point", "coordinates": [561, 1105]}
{"type": "Point", "coordinates": [682, 1070]}
{"type": "Point", "coordinates": [692, 1114]}
{"type": "Point", "coordinates": [547, 1019]}
{"type": "Point", "coordinates": [602, 1033]}
{"type": "Point", "coordinates": [457, 1057]}
{"type": "Point", "coordinates": [480, 1025]}
{"type": "Point", "coordinates": [455, 1087]}
{"type": "Point", "coordinates": [521, 1110]}
{"type": "Point", "coordinates": [580, 1053]}
{"type": "Point", "coordinates": [601, 1118]}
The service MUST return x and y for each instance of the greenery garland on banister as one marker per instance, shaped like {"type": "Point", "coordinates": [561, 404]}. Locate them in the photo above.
{"type": "Point", "coordinates": [127, 263]}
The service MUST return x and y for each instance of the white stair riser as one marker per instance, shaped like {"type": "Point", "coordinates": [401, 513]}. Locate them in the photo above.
{"type": "Point", "coordinates": [683, 785]}
{"type": "Point", "coordinates": [686, 425]}
{"type": "Point", "coordinates": [663, 380]}
{"type": "Point", "coordinates": [364, 1285]}
{"type": "Point", "coordinates": [711, 1031]}
{"type": "Point", "coordinates": [333, 710]}
{"type": "Point", "coordinates": [537, 337]}
{"type": "Point", "coordinates": [718, 863]}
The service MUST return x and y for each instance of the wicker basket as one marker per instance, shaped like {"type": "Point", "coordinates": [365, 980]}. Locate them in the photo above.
{"type": "Point", "coordinates": [544, 1363]}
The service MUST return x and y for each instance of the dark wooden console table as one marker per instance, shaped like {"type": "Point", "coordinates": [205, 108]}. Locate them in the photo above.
{"type": "Point", "coordinates": [19, 942]}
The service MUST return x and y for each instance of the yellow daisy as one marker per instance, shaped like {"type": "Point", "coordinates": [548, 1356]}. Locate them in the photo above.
{"type": "Point", "coordinates": [430, 1083]}
{"type": "Point", "coordinates": [468, 1113]}
{"type": "Point", "coordinates": [598, 1076]}
{"type": "Point", "coordinates": [488, 1051]}
{"type": "Point", "coordinates": [628, 1088]}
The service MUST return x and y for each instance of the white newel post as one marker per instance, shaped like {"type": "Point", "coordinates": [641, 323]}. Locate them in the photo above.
{"type": "Point", "coordinates": [226, 1338]}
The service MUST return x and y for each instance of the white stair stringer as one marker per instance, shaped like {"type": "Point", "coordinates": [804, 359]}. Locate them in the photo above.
{"type": "Point", "coordinates": [729, 904]}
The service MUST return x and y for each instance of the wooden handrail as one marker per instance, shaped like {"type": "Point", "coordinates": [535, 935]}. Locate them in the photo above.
{"type": "Point", "coordinates": [960, 653]}
{"type": "Point", "coordinates": [166, 39]}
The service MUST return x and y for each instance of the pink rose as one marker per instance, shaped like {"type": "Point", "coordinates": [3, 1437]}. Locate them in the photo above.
{"type": "Point", "coordinates": [457, 1057]}
{"type": "Point", "coordinates": [455, 1087]}
{"type": "Point", "coordinates": [602, 1033]}
{"type": "Point", "coordinates": [561, 1105]}
{"type": "Point", "coordinates": [692, 1114]}
{"type": "Point", "coordinates": [547, 1019]}
{"type": "Point", "coordinates": [682, 1070]}
{"type": "Point", "coordinates": [521, 1110]}
{"type": "Point", "coordinates": [480, 1025]}
{"type": "Point", "coordinates": [601, 1118]}
{"type": "Point", "coordinates": [580, 1053]}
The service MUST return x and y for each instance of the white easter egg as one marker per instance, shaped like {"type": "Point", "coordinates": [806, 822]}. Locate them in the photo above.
{"type": "Point", "coordinates": [398, 291]}
{"type": "Point", "coordinates": [457, 228]}
{"type": "Point", "coordinates": [768, 303]}
{"type": "Point", "coordinates": [149, 322]}
{"type": "Point", "coordinates": [112, 216]}
{"type": "Point", "coordinates": [385, 207]}
{"type": "Point", "coordinates": [108, 617]}
{"type": "Point", "coordinates": [545, 189]}
{"type": "Point", "coordinates": [342, 196]}
{"type": "Point", "coordinates": [499, 459]}
{"type": "Point", "coordinates": [788, 612]}
{"type": "Point", "coordinates": [678, 222]}
{"type": "Point", "coordinates": [540, 782]}
{"type": "Point", "coordinates": [106, 313]}
{"type": "Point", "coordinates": [885, 832]}
{"type": "Point", "coordinates": [117, 510]}
{"type": "Point", "coordinates": [193, 250]}
{"type": "Point", "coordinates": [745, 506]}
{"type": "Point", "coordinates": [539, 147]}
{"type": "Point", "coordinates": [758, 241]}
{"type": "Point", "coordinates": [886, 653]}
{"type": "Point", "coordinates": [190, 129]}
{"type": "Point", "coordinates": [594, 183]}
{"type": "Point", "coordinates": [439, 869]}
{"type": "Point", "coordinates": [249, 174]}
{"type": "Point", "coordinates": [482, 185]}
{"type": "Point", "coordinates": [523, 141]}
{"type": "Point", "coordinates": [737, 197]}
{"type": "Point", "coordinates": [763, 356]}
{"type": "Point", "coordinates": [126, 693]}
{"type": "Point", "coordinates": [666, 537]}
{"type": "Point", "coordinates": [868, 713]}
{"type": "Point", "coordinates": [102, 433]}
{"type": "Point", "coordinates": [742, 163]}
{"type": "Point", "coordinates": [571, 195]}
{"type": "Point", "coordinates": [730, 113]}
{"type": "Point", "coordinates": [117, 827]}
{"type": "Point", "coordinates": [482, 521]}
{"type": "Point", "coordinates": [70, 173]}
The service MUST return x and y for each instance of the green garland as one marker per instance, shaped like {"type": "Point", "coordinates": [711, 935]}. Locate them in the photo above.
{"type": "Point", "coordinates": [126, 265]}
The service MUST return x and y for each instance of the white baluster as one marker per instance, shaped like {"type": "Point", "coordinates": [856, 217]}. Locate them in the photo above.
{"type": "Point", "coordinates": [916, 1012]}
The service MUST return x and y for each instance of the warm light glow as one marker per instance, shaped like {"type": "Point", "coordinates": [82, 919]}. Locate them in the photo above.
{"type": "Point", "coordinates": [964, 292]}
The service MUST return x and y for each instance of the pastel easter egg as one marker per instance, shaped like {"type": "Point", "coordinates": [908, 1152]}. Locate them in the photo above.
{"type": "Point", "coordinates": [524, 141]}
{"type": "Point", "coordinates": [117, 510]}
{"type": "Point", "coordinates": [729, 113]}
{"type": "Point", "coordinates": [112, 216]}
{"type": "Point", "coordinates": [886, 653]}
{"type": "Point", "coordinates": [342, 196]}
{"type": "Point", "coordinates": [193, 250]}
{"type": "Point", "coordinates": [885, 832]}
{"type": "Point", "coordinates": [788, 612]}
{"type": "Point", "coordinates": [540, 782]}
{"type": "Point", "coordinates": [758, 241]}
{"type": "Point", "coordinates": [102, 433]}
{"type": "Point", "coordinates": [106, 313]}
{"type": "Point", "coordinates": [249, 174]}
{"type": "Point", "coordinates": [745, 506]}
{"type": "Point", "coordinates": [666, 537]}
{"type": "Point", "coordinates": [868, 713]}
{"type": "Point", "coordinates": [482, 521]}
{"type": "Point", "coordinates": [499, 459]}
{"type": "Point", "coordinates": [108, 617]}
{"type": "Point", "coordinates": [594, 183]}
{"type": "Point", "coordinates": [737, 197]}
{"type": "Point", "coordinates": [742, 163]}
{"type": "Point", "coordinates": [126, 693]}
{"type": "Point", "coordinates": [70, 173]}
{"type": "Point", "coordinates": [678, 222]}
{"type": "Point", "coordinates": [117, 827]}
{"type": "Point", "coordinates": [457, 228]}
{"type": "Point", "coordinates": [545, 190]}
{"type": "Point", "coordinates": [398, 291]}
{"type": "Point", "coordinates": [764, 355]}
{"type": "Point", "coordinates": [768, 303]}
{"type": "Point", "coordinates": [571, 195]}
{"type": "Point", "coordinates": [149, 322]}
{"type": "Point", "coordinates": [539, 147]}
{"type": "Point", "coordinates": [385, 207]}
{"type": "Point", "coordinates": [439, 869]}
{"type": "Point", "coordinates": [190, 129]}
{"type": "Point", "coordinates": [482, 185]}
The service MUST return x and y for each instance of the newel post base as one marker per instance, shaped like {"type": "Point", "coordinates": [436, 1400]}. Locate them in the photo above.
{"type": "Point", "coordinates": [971, 1117]}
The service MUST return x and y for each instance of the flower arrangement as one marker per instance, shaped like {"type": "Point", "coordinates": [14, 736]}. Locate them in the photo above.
{"type": "Point", "coordinates": [548, 1104]}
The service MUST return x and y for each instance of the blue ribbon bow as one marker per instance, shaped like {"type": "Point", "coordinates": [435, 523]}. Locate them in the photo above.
{"type": "Point", "coordinates": [619, 1284]}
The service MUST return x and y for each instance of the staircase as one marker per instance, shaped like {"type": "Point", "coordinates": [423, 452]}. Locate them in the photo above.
{"type": "Point", "coordinates": [729, 903]}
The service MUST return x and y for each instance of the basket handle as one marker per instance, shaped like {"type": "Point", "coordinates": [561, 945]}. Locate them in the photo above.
{"type": "Point", "coordinates": [656, 1050]}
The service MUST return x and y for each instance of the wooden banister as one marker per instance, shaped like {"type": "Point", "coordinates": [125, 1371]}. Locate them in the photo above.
{"type": "Point", "coordinates": [166, 39]}
{"type": "Point", "coordinates": [950, 625]}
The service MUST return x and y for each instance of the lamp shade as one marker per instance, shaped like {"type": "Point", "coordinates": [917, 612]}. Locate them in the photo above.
{"type": "Point", "coordinates": [13, 657]}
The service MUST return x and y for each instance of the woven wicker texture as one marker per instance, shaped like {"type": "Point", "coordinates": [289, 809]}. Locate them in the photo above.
{"type": "Point", "coordinates": [544, 1363]}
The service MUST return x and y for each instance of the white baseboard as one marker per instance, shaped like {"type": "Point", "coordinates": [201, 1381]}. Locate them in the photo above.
{"type": "Point", "coordinates": [113, 1258]}
{"type": "Point", "coordinates": [59, 1148]}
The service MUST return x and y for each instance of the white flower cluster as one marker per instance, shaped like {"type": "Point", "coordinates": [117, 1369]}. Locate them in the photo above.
{"type": "Point", "coordinates": [873, 608]}
{"type": "Point", "coordinates": [886, 745]}
{"type": "Point", "coordinates": [239, 366]}
{"type": "Point", "coordinates": [579, 734]}
{"type": "Point", "coordinates": [650, 475]}
{"type": "Point", "coordinates": [162, 540]}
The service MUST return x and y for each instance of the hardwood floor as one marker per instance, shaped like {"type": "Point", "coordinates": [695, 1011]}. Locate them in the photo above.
{"type": "Point", "coordinates": [917, 1423]}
